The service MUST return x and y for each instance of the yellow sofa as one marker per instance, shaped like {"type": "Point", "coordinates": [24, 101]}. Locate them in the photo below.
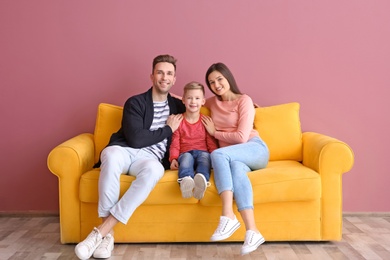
{"type": "Point", "coordinates": [297, 197]}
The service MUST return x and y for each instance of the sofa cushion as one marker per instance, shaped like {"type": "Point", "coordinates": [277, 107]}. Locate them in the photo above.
{"type": "Point", "coordinates": [280, 128]}
{"type": "Point", "coordinates": [281, 181]}
{"type": "Point", "coordinates": [167, 190]}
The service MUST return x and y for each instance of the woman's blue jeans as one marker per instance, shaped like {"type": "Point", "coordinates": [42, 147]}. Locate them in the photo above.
{"type": "Point", "coordinates": [231, 165]}
{"type": "Point", "coordinates": [194, 161]}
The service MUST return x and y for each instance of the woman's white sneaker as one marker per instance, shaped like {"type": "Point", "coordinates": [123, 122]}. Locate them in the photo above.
{"type": "Point", "coordinates": [105, 248]}
{"type": "Point", "coordinates": [225, 229]}
{"type": "Point", "coordinates": [85, 249]}
{"type": "Point", "coordinates": [252, 241]}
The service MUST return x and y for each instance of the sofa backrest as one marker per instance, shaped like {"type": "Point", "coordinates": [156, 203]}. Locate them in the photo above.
{"type": "Point", "coordinates": [279, 126]}
{"type": "Point", "coordinates": [108, 121]}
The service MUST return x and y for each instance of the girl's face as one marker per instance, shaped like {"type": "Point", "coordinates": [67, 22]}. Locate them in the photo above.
{"type": "Point", "coordinates": [218, 83]}
{"type": "Point", "coordinates": [193, 100]}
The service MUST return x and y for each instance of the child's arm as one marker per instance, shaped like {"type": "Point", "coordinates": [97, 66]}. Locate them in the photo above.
{"type": "Point", "coordinates": [174, 164]}
{"type": "Point", "coordinates": [211, 143]}
{"type": "Point", "coordinates": [174, 149]}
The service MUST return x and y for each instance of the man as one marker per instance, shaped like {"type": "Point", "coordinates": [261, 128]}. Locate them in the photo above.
{"type": "Point", "coordinates": [140, 148]}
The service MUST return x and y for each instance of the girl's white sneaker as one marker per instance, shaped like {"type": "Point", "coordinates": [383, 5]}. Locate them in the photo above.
{"type": "Point", "coordinates": [252, 241]}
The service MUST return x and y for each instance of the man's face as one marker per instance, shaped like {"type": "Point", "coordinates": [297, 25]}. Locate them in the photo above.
{"type": "Point", "coordinates": [163, 77]}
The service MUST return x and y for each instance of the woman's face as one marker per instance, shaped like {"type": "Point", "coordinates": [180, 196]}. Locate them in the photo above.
{"type": "Point", "coordinates": [218, 83]}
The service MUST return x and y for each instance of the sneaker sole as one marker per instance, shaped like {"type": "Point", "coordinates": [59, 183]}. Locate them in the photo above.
{"type": "Point", "coordinates": [200, 186]}
{"type": "Point", "coordinates": [100, 256]}
{"type": "Point", "coordinates": [82, 257]}
{"type": "Point", "coordinates": [253, 248]}
{"type": "Point", "coordinates": [186, 188]}
{"type": "Point", "coordinates": [228, 234]}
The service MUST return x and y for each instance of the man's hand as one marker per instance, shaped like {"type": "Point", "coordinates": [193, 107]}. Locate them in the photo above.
{"type": "Point", "coordinates": [174, 164]}
{"type": "Point", "coordinates": [174, 121]}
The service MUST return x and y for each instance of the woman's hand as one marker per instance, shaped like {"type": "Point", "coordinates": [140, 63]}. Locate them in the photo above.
{"type": "Point", "coordinates": [209, 125]}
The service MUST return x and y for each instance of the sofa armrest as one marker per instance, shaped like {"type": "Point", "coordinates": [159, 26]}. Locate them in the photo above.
{"type": "Point", "coordinates": [323, 153]}
{"type": "Point", "coordinates": [68, 161]}
{"type": "Point", "coordinates": [330, 158]}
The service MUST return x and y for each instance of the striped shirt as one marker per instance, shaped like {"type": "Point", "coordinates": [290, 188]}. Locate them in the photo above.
{"type": "Point", "coordinates": [161, 113]}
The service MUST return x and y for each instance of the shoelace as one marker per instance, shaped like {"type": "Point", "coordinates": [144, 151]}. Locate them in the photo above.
{"type": "Point", "coordinates": [248, 239]}
{"type": "Point", "coordinates": [94, 237]}
{"type": "Point", "coordinates": [105, 243]}
{"type": "Point", "coordinates": [222, 225]}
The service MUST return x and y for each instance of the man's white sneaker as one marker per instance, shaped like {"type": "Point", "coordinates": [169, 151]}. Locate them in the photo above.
{"type": "Point", "coordinates": [105, 248]}
{"type": "Point", "coordinates": [85, 248]}
{"type": "Point", "coordinates": [252, 241]}
{"type": "Point", "coordinates": [225, 229]}
{"type": "Point", "coordinates": [201, 185]}
{"type": "Point", "coordinates": [186, 186]}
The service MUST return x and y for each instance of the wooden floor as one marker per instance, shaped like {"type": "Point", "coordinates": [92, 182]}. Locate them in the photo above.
{"type": "Point", "coordinates": [364, 237]}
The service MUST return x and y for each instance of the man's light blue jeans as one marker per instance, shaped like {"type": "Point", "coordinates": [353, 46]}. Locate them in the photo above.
{"type": "Point", "coordinates": [117, 160]}
{"type": "Point", "coordinates": [231, 165]}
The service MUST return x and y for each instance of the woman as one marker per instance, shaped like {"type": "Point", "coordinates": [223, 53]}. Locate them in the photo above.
{"type": "Point", "coordinates": [241, 151]}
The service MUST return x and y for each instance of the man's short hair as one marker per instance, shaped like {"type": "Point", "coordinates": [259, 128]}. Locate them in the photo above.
{"type": "Point", "coordinates": [164, 58]}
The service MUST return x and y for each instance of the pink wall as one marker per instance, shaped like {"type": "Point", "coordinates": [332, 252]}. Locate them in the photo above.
{"type": "Point", "coordinates": [60, 59]}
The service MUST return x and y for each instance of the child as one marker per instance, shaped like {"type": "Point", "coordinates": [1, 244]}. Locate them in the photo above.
{"type": "Point", "coordinates": [191, 145]}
